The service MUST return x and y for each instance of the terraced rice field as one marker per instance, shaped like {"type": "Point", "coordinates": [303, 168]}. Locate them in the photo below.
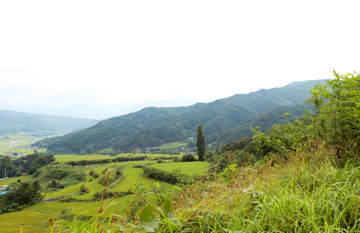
{"type": "Point", "coordinates": [132, 177]}
{"type": "Point", "coordinates": [24, 221]}
{"type": "Point", "coordinates": [69, 191]}
{"type": "Point", "coordinates": [36, 217]}
{"type": "Point", "coordinates": [189, 168]}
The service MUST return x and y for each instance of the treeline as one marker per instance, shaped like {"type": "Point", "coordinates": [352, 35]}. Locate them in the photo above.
{"type": "Point", "coordinates": [28, 164]}
{"type": "Point", "coordinates": [100, 161]}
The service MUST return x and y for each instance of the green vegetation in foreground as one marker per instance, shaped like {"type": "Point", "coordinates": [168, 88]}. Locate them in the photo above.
{"type": "Point", "coordinates": [188, 168]}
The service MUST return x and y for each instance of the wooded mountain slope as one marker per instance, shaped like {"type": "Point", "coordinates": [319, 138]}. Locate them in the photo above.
{"type": "Point", "coordinates": [223, 120]}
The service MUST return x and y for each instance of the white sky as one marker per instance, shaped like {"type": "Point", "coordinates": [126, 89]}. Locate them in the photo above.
{"type": "Point", "coordinates": [95, 52]}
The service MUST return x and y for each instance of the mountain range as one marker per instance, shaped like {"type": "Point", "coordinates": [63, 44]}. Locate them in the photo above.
{"type": "Point", "coordinates": [223, 120]}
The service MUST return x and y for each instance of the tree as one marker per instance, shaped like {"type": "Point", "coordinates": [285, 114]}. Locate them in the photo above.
{"type": "Point", "coordinates": [200, 142]}
{"type": "Point", "coordinates": [337, 119]}
{"type": "Point", "coordinates": [20, 197]}
{"type": "Point", "coordinates": [6, 167]}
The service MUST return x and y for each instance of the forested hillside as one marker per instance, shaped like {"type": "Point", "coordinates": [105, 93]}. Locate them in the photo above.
{"type": "Point", "coordinates": [223, 120]}
{"type": "Point", "coordinates": [15, 122]}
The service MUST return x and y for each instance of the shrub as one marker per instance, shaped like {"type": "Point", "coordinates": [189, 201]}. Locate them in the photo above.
{"type": "Point", "coordinates": [169, 177]}
{"type": "Point", "coordinates": [187, 158]}
{"type": "Point", "coordinates": [68, 199]}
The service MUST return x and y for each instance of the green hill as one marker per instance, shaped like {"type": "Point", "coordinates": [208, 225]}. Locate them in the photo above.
{"type": "Point", "coordinates": [16, 122]}
{"type": "Point", "coordinates": [223, 120]}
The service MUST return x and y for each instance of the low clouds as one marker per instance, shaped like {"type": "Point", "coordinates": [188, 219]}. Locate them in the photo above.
{"type": "Point", "coordinates": [94, 53]}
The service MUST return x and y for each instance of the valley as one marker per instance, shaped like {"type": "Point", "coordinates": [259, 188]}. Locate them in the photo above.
{"type": "Point", "coordinates": [299, 175]}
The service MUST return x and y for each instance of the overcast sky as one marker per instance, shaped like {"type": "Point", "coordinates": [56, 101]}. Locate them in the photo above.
{"type": "Point", "coordinates": [104, 52]}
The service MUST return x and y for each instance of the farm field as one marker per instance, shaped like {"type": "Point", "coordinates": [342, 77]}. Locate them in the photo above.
{"type": "Point", "coordinates": [189, 168]}
{"type": "Point", "coordinates": [35, 218]}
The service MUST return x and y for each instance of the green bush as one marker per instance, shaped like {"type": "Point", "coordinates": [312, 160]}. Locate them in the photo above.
{"type": "Point", "coordinates": [188, 158]}
{"type": "Point", "coordinates": [168, 177]}
{"type": "Point", "coordinates": [68, 199]}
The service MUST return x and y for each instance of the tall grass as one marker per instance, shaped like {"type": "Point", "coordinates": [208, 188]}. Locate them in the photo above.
{"type": "Point", "coordinates": [306, 193]}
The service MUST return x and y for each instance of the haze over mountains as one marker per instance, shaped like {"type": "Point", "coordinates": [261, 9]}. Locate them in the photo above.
{"type": "Point", "coordinates": [97, 111]}
{"type": "Point", "coordinates": [223, 120]}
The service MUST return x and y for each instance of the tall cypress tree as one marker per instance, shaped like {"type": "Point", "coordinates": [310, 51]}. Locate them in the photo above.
{"type": "Point", "coordinates": [200, 142]}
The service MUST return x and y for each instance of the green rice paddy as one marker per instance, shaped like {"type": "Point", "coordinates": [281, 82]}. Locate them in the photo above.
{"type": "Point", "coordinates": [24, 221]}
{"type": "Point", "coordinates": [132, 177]}
{"type": "Point", "coordinates": [188, 168]}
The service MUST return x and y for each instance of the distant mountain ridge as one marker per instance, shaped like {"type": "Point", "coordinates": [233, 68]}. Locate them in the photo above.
{"type": "Point", "coordinates": [15, 122]}
{"type": "Point", "coordinates": [222, 121]}
{"type": "Point", "coordinates": [97, 111]}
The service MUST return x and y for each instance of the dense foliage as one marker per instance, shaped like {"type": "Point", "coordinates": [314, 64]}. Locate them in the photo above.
{"type": "Point", "coordinates": [33, 162]}
{"type": "Point", "coordinates": [155, 126]}
{"type": "Point", "coordinates": [20, 196]}
{"type": "Point", "coordinates": [337, 120]}
{"type": "Point", "coordinates": [27, 164]}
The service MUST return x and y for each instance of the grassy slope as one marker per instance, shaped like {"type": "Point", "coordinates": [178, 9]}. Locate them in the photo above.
{"type": "Point", "coordinates": [306, 193]}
